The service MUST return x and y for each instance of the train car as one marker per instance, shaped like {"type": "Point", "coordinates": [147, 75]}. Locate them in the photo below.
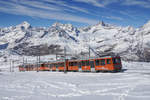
{"type": "Point", "coordinates": [60, 66]}
{"type": "Point", "coordinates": [21, 68]}
{"type": "Point", "coordinates": [44, 67]}
{"type": "Point", "coordinates": [53, 66]}
{"type": "Point", "coordinates": [35, 68]}
{"type": "Point", "coordinates": [108, 64]}
{"type": "Point", "coordinates": [85, 65]}
{"type": "Point", "coordinates": [72, 65]}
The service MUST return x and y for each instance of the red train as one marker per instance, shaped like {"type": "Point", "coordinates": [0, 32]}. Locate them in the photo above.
{"type": "Point", "coordinates": [112, 64]}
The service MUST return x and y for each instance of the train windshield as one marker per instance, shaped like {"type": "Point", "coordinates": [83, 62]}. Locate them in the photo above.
{"type": "Point", "coordinates": [116, 60]}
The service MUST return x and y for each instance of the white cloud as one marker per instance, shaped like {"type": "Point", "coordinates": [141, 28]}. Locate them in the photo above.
{"type": "Point", "coordinates": [67, 7]}
{"type": "Point", "coordinates": [91, 2]}
{"type": "Point", "coordinates": [41, 5]}
{"type": "Point", "coordinates": [98, 3]}
{"type": "Point", "coordinates": [103, 3]}
{"type": "Point", "coordinates": [61, 10]}
{"type": "Point", "coordinates": [113, 17]}
{"type": "Point", "coordinates": [19, 9]}
{"type": "Point", "coordinates": [126, 13]}
{"type": "Point", "coordinates": [141, 3]}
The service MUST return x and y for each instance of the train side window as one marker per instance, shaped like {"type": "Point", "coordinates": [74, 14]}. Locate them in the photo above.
{"type": "Point", "coordinates": [70, 63]}
{"type": "Point", "coordinates": [54, 65]}
{"type": "Point", "coordinates": [97, 62]}
{"type": "Point", "coordinates": [116, 60]}
{"type": "Point", "coordinates": [58, 65]}
{"type": "Point", "coordinates": [87, 63]}
{"type": "Point", "coordinates": [108, 61]}
{"type": "Point", "coordinates": [102, 62]}
{"type": "Point", "coordinates": [75, 64]}
{"type": "Point", "coordinates": [62, 64]}
{"type": "Point", "coordinates": [47, 65]}
{"type": "Point", "coordinates": [83, 63]}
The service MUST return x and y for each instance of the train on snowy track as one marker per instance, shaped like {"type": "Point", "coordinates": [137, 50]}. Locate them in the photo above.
{"type": "Point", "coordinates": [109, 64]}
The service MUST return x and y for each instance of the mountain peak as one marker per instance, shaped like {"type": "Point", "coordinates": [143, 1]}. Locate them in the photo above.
{"type": "Point", "coordinates": [24, 25]}
{"type": "Point", "coordinates": [56, 24]}
{"type": "Point", "coordinates": [101, 23]}
{"type": "Point", "coordinates": [147, 24]}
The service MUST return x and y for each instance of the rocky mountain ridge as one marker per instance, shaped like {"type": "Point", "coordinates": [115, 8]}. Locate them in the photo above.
{"type": "Point", "coordinates": [102, 38]}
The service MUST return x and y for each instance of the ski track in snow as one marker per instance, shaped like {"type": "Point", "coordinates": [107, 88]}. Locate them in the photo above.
{"type": "Point", "coordinates": [126, 85]}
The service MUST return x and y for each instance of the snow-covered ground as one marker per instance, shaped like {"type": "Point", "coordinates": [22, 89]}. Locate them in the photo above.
{"type": "Point", "coordinates": [132, 84]}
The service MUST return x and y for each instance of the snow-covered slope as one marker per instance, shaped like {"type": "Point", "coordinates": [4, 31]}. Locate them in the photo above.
{"type": "Point", "coordinates": [102, 38]}
{"type": "Point", "coordinates": [132, 84]}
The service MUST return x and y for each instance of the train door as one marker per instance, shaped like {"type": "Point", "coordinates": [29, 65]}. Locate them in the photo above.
{"type": "Point", "coordinates": [79, 67]}
{"type": "Point", "coordinates": [92, 66]}
{"type": "Point", "coordinates": [109, 64]}
{"type": "Point", "coordinates": [103, 64]}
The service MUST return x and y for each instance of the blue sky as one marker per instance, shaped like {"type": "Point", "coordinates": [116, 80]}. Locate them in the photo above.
{"type": "Point", "coordinates": [77, 12]}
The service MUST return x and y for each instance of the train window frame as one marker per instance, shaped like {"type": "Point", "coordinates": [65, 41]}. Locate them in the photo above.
{"type": "Point", "coordinates": [108, 61]}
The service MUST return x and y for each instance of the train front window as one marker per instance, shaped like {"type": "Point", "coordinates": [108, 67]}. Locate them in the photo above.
{"type": "Point", "coordinates": [116, 60]}
{"type": "Point", "coordinates": [108, 61]}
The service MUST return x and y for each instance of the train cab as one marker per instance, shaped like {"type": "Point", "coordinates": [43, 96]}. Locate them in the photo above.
{"type": "Point", "coordinates": [108, 64]}
{"type": "Point", "coordinates": [117, 65]}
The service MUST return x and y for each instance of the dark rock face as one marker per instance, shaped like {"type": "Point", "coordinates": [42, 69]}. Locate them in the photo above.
{"type": "Point", "coordinates": [37, 50]}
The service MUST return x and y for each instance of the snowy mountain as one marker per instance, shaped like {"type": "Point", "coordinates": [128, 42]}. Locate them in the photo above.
{"type": "Point", "coordinates": [102, 38]}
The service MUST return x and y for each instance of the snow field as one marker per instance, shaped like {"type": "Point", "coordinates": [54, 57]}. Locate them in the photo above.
{"type": "Point", "coordinates": [132, 84]}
